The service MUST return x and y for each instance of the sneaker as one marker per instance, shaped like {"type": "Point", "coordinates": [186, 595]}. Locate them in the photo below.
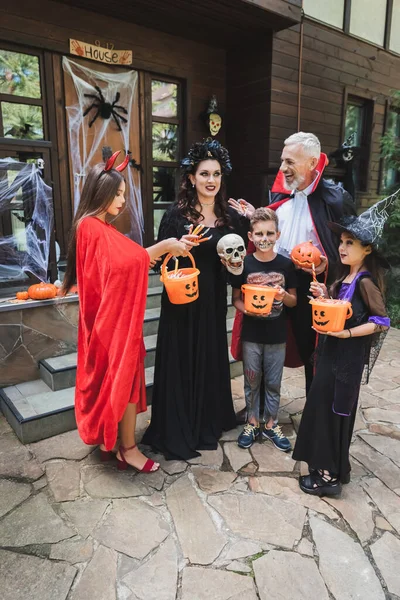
{"type": "Point", "coordinates": [248, 436]}
{"type": "Point", "coordinates": [277, 438]}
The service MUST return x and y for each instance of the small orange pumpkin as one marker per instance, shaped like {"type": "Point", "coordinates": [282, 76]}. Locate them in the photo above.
{"type": "Point", "coordinates": [304, 255]}
{"type": "Point", "coordinates": [42, 291]}
{"type": "Point", "coordinates": [22, 295]}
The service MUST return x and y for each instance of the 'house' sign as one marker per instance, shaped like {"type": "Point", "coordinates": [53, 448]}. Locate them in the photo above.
{"type": "Point", "coordinates": [104, 55]}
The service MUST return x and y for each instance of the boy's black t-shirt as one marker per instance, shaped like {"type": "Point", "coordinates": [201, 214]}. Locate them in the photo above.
{"type": "Point", "coordinates": [270, 329]}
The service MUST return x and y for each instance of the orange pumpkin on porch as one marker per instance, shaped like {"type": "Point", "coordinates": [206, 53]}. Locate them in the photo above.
{"type": "Point", "coordinates": [304, 255]}
{"type": "Point", "coordinates": [42, 291]}
{"type": "Point", "coordinates": [22, 295]}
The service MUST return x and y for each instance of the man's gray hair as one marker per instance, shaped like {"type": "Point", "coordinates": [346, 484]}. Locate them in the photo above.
{"type": "Point", "coordinates": [309, 141]}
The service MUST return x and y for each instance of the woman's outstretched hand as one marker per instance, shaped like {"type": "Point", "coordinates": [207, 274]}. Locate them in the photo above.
{"type": "Point", "coordinates": [244, 208]}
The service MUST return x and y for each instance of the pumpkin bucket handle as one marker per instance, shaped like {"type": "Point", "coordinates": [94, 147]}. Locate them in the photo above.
{"type": "Point", "coordinates": [164, 270]}
{"type": "Point", "coordinates": [349, 312]}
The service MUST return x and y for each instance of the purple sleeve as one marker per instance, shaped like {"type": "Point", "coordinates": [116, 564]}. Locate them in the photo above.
{"type": "Point", "coordinates": [381, 321]}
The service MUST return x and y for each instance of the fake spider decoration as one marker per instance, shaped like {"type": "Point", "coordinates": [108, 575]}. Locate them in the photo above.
{"type": "Point", "coordinates": [104, 109]}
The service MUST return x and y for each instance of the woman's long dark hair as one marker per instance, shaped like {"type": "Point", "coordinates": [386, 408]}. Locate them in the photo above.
{"type": "Point", "coordinates": [99, 191]}
{"type": "Point", "coordinates": [187, 200]}
{"type": "Point", "coordinates": [371, 264]}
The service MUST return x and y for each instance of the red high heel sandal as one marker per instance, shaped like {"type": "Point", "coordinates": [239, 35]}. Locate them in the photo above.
{"type": "Point", "coordinates": [123, 465]}
{"type": "Point", "coordinates": [106, 456]}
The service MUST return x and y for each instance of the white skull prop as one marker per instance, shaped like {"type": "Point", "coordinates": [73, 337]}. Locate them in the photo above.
{"type": "Point", "coordinates": [231, 250]}
{"type": "Point", "coordinates": [214, 122]}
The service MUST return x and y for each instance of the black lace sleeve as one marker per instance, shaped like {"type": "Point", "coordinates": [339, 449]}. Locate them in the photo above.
{"type": "Point", "coordinates": [172, 224]}
{"type": "Point", "coordinates": [240, 224]}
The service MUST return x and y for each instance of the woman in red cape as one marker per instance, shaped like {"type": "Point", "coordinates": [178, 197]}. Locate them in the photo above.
{"type": "Point", "coordinates": [112, 275]}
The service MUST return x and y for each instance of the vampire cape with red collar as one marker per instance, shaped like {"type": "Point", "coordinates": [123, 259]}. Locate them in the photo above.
{"type": "Point", "coordinates": [327, 202]}
{"type": "Point", "coordinates": [112, 274]}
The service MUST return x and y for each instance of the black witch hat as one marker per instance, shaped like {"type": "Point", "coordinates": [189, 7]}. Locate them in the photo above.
{"type": "Point", "coordinates": [368, 227]}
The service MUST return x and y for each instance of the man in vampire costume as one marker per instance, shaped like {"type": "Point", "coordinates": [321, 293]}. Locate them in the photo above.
{"type": "Point", "coordinates": [305, 203]}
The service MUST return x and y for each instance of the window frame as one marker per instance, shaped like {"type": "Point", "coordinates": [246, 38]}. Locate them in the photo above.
{"type": "Point", "coordinates": [47, 146]}
{"type": "Point", "coordinates": [389, 107]}
{"type": "Point", "coordinates": [148, 119]}
{"type": "Point", "coordinates": [368, 101]}
{"type": "Point", "coordinates": [14, 99]}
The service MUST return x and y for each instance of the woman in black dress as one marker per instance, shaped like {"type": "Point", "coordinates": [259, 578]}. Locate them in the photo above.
{"type": "Point", "coordinates": [192, 400]}
{"type": "Point", "coordinates": [344, 359]}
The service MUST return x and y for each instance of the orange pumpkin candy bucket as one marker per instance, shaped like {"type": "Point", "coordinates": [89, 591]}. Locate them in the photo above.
{"type": "Point", "coordinates": [182, 285]}
{"type": "Point", "coordinates": [329, 314]}
{"type": "Point", "coordinates": [258, 299]}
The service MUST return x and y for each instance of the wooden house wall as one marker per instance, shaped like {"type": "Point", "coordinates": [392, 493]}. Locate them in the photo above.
{"type": "Point", "coordinates": [332, 64]}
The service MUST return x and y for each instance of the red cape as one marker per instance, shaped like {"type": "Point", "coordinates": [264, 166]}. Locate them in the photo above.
{"type": "Point", "coordinates": [112, 274]}
{"type": "Point", "coordinates": [292, 358]}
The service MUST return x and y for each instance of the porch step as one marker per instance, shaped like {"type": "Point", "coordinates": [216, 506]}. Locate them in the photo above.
{"type": "Point", "coordinates": [36, 412]}
{"type": "Point", "coordinates": [60, 372]}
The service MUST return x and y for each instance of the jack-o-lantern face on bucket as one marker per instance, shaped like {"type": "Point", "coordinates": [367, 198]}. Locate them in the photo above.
{"type": "Point", "coordinates": [258, 299]}
{"type": "Point", "coordinates": [191, 289]}
{"type": "Point", "coordinates": [182, 285]}
{"type": "Point", "coordinates": [329, 314]}
{"type": "Point", "coordinates": [319, 318]}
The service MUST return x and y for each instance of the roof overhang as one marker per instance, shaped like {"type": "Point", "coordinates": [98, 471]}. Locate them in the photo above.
{"type": "Point", "coordinates": [217, 22]}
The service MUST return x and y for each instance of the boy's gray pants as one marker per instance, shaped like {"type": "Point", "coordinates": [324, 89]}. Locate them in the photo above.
{"type": "Point", "coordinates": [268, 359]}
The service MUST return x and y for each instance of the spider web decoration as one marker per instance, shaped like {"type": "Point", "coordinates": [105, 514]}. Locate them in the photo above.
{"type": "Point", "coordinates": [88, 136]}
{"type": "Point", "coordinates": [373, 220]}
{"type": "Point", "coordinates": [27, 202]}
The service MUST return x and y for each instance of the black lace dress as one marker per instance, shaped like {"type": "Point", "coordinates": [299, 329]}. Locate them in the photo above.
{"type": "Point", "coordinates": [327, 422]}
{"type": "Point", "coordinates": [192, 400]}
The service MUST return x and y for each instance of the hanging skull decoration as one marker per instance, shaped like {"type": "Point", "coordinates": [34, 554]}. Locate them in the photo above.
{"type": "Point", "coordinates": [231, 250]}
{"type": "Point", "coordinates": [214, 119]}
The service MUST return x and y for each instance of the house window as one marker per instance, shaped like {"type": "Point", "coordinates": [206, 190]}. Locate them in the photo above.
{"type": "Point", "coordinates": [327, 11]}
{"type": "Point", "coordinates": [357, 132]}
{"type": "Point", "coordinates": [368, 20]}
{"type": "Point", "coordinates": [391, 175]}
{"type": "Point", "coordinates": [21, 100]}
{"type": "Point", "coordinates": [166, 142]}
{"type": "Point", "coordinates": [24, 138]}
{"type": "Point", "coordinates": [395, 28]}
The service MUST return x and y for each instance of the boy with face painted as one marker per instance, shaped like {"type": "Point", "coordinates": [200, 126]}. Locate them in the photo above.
{"type": "Point", "coordinates": [264, 336]}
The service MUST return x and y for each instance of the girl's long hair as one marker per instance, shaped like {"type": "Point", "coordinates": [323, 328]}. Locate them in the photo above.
{"type": "Point", "coordinates": [187, 200]}
{"type": "Point", "coordinates": [99, 191]}
{"type": "Point", "coordinates": [371, 264]}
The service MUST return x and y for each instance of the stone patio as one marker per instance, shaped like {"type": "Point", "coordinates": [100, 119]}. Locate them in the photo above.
{"type": "Point", "coordinates": [229, 525]}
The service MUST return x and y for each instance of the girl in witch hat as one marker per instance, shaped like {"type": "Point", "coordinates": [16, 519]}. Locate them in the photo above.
{"type": "Point", "coordinates": [344, 359]}
{"type": "Point", "coordinates": [112, 275]}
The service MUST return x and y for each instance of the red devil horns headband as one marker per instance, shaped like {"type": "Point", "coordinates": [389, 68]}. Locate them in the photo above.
{"type": "Point", "coordinates": [111, 161]}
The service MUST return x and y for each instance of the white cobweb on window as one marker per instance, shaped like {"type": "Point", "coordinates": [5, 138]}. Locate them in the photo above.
{"type": "Point", "coordinates": [26, 213]}
{"type": "Point", "coordinates": [374, 218]}
{"type": "Point", "coordinates": [86, 142]}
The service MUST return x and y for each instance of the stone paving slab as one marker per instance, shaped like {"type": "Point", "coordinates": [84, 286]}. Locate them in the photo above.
{"type": "Point", "coordinates": [275, 571]}
{"type": "Point", "coordinates": [156, 579]}
{"type": "Point", "coordinates": [132, 527]}
{"type": "Point", "coordinates": [31, 578]}
{"type": "Point", "coordinates": [279, 518]}
{"type": "Point", "coordinates": [33, 522]}
{"type": "Point", "coordinates": [346, 570]}
{"type": "Point", "coordinates": [204, 584]}
{"type": "Point", "coordinates": [200, 540]}
{"type": "Point", "coordinates": [386, 553]}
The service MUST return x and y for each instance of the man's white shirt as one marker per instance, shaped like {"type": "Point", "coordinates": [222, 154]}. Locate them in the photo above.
{"type": "Point", "coordinates": [295, 222]}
